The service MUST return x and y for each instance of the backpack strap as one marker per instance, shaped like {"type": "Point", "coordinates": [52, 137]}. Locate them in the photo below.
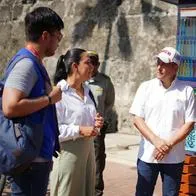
{"type": "Point", "coordinates": [92, 98]}
{"type": "Point", "coordinates": [24, 53]}
{"type": "Point", "coordinates": [39, 67]}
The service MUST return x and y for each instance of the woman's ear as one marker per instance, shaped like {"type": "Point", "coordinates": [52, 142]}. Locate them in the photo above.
{"type": "Point", "coordinates": [74, 66]}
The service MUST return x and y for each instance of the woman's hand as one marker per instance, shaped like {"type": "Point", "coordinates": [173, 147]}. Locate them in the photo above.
{"type": "Point", "coordinates": [88, 131]}
{"type": "Point", "coordinates": [99, 121]}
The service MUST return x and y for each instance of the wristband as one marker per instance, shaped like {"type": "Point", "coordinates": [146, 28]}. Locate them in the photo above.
{"type": "Point", "coordinates": [49, 100]}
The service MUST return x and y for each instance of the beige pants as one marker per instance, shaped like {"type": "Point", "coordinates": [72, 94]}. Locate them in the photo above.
{"type": "Point", "coordinates": [73, 171]}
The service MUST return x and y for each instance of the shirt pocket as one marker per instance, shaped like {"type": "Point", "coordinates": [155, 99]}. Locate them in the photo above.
{"type": "Point", "coordinates": [176, 105]}
{"type": "Point", "coordinates": [153, 104]}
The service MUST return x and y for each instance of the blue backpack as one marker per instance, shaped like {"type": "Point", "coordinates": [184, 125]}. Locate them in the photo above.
{"type": "Point", "coordinates": [20, 139]}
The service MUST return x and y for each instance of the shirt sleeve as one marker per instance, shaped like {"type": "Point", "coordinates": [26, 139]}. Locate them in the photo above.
{"type": "Point", "coordinates": [67, 131]}
{"type": "Point", "coordinates": [190, 113]}
{"type": "Point", "coordinates": [138, 104]}
{"type": "Point", "coordinates": [22, 77]}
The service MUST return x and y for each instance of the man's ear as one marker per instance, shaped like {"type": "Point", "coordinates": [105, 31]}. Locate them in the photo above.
{"type": "Point", "coordinates": [45, 35]}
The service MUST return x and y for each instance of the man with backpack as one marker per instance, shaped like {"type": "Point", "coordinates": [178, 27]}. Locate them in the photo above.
{"type": "Point", "coordinates": [28, 92]}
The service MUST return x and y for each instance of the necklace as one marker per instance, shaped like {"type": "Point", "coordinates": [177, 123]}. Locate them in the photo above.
{"type": "Point", "coordinates": [80, 92]}
{"type": "Point", "coordinates": [37, 55]}
{"type": "Point", "coordinates": [34, 52]}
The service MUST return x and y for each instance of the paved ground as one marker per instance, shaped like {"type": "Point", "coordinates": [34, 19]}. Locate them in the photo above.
{"type": "Point", "coordinates": [120, 173]}
{"type": "Point", "coordinates": [120, 180]}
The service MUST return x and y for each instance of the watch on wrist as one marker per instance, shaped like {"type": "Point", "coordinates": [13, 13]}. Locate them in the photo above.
{"type": "Point", "coordinates": [49, 100]}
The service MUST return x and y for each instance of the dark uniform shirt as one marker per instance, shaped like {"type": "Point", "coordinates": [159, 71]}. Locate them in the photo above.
{"type": "Point", "coordinates": [103, 91]}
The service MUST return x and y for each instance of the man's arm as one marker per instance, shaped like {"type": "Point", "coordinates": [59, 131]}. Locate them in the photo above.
{"type": "Point", "coordinates": [190, 114]}
{"type": "Point", "coordinates": [17, 88]}
{"type": "Point", "coordinates": [110, 96]}
{"type": "Point", "coordinates": [181, 134]}
{"type": "Point", "coordinates": [15, 103]}
{"type": "Point", "coordinates": [178, 137]}
{"type": "Point", "coordinates": [185, 129]}
{"type": "Point", "coordinates": [146, 132]}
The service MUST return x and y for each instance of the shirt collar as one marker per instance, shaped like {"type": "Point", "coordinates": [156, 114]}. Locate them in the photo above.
{"type": "Point", "coordinates": [171, 86]}
{"type": "Point", "coordinates": [63, 85]}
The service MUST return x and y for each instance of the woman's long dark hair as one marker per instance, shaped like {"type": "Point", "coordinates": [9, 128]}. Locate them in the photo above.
{"type": "Point", "coordinates": [63, 68]}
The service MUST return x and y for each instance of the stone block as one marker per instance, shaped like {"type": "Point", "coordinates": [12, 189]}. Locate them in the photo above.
{"type": "Point", "coordinates": [8, 2]}
{"type": "Point", "coordinates": [29, 1]}
{"type": "Point", "coordinates": [146, 6]}
{"type": "Point", "coordinates": [169, 8]}
{"type": "Point", "coordinates": [158, 25]}
{"type": "Point", "coordinates": [58, 6]}
{"type": "Point", "coordinates": [17, 12]}
{"type": "Point", "coordinates": [5, 13]}
{"type": "Point", "coordinates": [169, 25]}
{"type": "Point", "coordinates": [18, 31]}
{"type": "Point", "coordinates": [5, 34]}
{"type": "Point", "coordinates": [124, 117]}
{"type": "Point", "coordinates": [50, 64]}
{"type": "Point", "coordinates": [83, 9]}
{"type": "Point", "coordinates": [132, 23]}
{"type": "Point", "coordinates": [132, 7]}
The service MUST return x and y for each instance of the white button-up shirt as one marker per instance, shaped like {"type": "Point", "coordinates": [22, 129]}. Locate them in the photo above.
{"type": "Point", "coordinates": [164, 112]}
{"type": "Point", "coordinates": [73, 111]}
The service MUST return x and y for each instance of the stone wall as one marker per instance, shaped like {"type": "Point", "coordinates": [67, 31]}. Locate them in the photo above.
{"type": "Point", "coordinates": [126, 33]}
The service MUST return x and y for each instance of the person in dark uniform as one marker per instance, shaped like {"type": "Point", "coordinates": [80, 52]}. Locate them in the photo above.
{"type": "Point", "coordinates": [104, 95]}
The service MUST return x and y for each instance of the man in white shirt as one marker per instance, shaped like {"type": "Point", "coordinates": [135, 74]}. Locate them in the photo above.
{"type": "Point", "coordinates": [164, 114]}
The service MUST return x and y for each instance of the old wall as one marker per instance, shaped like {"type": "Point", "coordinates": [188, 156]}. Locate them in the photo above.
{"type": "Point", "coordinates": [126, 33]}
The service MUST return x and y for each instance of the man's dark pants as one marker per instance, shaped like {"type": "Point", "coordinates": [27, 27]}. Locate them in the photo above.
{"type": "Point", "coordinates": [100, 157]}
{"type": "Point", "coordinates": [147, 177]}
{"type": "Point", "coordinates": [33, 181]}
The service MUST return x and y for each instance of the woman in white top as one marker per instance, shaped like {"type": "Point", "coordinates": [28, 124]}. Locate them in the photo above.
{"type": "Point", "coordinates": [74, 170]}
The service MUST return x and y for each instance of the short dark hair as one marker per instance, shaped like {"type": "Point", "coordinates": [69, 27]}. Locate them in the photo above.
{"type": "Point", "coordinates": [63, 68]}
{"type": "Point", "coordinates": [39, 20]}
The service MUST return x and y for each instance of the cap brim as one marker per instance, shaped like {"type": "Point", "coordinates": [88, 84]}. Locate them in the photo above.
{"type": "Point", "coordinates": [163, 57]}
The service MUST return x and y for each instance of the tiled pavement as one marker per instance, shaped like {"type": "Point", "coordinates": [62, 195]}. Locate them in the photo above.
{"type": "Point", "coordinates": [120, 174]}
{"type": "Point", "coordinates": [120, 180]}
